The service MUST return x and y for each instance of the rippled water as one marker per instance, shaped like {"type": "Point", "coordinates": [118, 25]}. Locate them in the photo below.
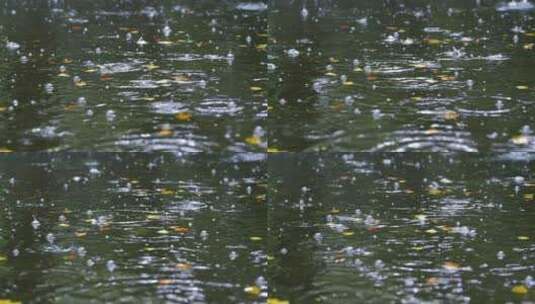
{"type": "Point", "coordinates": [401, 75]}
{"type": "Point", "coordinates": [119, 228]}
{"type": "Point", "coordinates": [132, 75]}
{"type": "Point", "coordinates": [401, 228]}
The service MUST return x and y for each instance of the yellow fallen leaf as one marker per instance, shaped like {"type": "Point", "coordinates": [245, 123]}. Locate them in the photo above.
{"type": "Point", "coordinates": [80, 83]}
{"type": "Point", "coordinates": [528, 196]}
{"type": "Point", "coordinates": [150, 66]}
{"type": "Point", "coordinates": [522, 87]}
{"type": "Point", "coordinates": [451, 266]}
{"type": "Point", "coordinates": [434, 191]}
{"type": "Point", "coordinates": [277, 301]}
{"type": "Point", "coordinates": [433, 41]}
{"type": "Point", "coordinates": [520, 289]}
{"type": "Point", "coordinates": [183, 116]}
{"type": "Point", "coordinates": [348, 233]}
{"type": "Point", "coordinates": [80, 233]}
{"type": "Point", "coordinates": [333, 60]}
{"type": "Point", "coordinates": [256, 89]}
{"type": "Point", "coordinates": [183, 266]}
{"type": "Point", "coordinates": [165, 191]}
{"type": "Point", "coordinates": [252, 290]}
{"type": "Point", "coordinates": [180, 229]}
{"type": "Point", "coordinates": [255, 238]}
{"type": "Point", "coordinates": [523, 238]}
{"type": "Point", "coordinates": [3, 258]}
{"type": "Point", "coordinates": [261, 47]}
{"type": "Point", "coordinates": [7, 301]}
{"type": "Point", "coordinates": [153, 217]}
{"type": "Point", "coordinates": [529, 46]}
{"type": "Point", "coordinates": [348, 83]}
{"type": "Point", "coordinates": [253, 140]}
{"type": "Point", "coordinates": [520, 140]}
{"type": "Point", "coordinates": [165, 132]}
{"type": "Point", "coordinates": [3, 109]}
{"type": "Point", "coordinates": [451, 115]}
{"type": "Point", "coordinates": [273, 150]}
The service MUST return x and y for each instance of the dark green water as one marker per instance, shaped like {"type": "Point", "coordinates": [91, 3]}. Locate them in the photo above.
{"type": "Point", "coordinates": [116, 75]}
{"type": "Point", "coordinates": [401, 76]}
{"type": "Point", "coordinates": [143, 228]}
{"type": "Point", "coordinates": [140, 130]}
{"type": "Point", "coordinates": [401, 228]}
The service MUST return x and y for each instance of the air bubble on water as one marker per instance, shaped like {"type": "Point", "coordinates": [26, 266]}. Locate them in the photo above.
{"type": "Point", "coordinates": [111, 266]}
{"type": "Point", "coordinates": [519, 180]}
{"type": "Point", "coordinates": [166, 31]}
{"type": "Point", "coordinates": [304, 13]}
{"type": "Point", "coordinates": [89, 112]}
{"type": "Point", "coordinates": [50, 238]}
{"type": "Point", "coordinates": [90, 263]}
{"type": "Point", "coordinates": [141, 41]}
{"type": "Point", "coordinates": [282, 101]}
{"type": "Point", "coordinates": [15, 252]}
{"type": "Point", "coordinates": [10, 45]}
{"type": "Point", "coordinates": [110, 115]}
{"type": "Point", "coordinates": [379, 264]}
{"type": "Point", "coordinates": [376, 114]}
{"type": "Point", "coordinates": [49, 88]}
{"type": "Point", "coordinates": [284, 251]}
{"type": "Point", "coordinates": [35, 223]}
{"type": "Point", "coordinates": [292, 53]}
{"type": "Point", "coordinates": [470, 83]}
{"type": "Point", "coordinates": [81, 251]}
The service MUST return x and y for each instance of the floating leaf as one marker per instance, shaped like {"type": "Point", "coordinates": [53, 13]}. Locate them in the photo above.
{"type": "Point", "coordinates": [183, 266]}
{"type": "Point", "coordinates": [520, 140]}
{"type": "Point", "coordinates": [431, 231]}
{"type": "Point", "coordinates": [163, 231]}
{"type": "Point", "coordinates": [348, 83]}
{"type": "Point", "coordinates": [7, 301]}
{"type": "Point", "coordinates": [277, 301]}
{"type": "Point", "coordinates": [80, 233]}
{"type": "Point", "coordinates": [261, 47]}
{"type": "Point", "coordinates": [183, 116]}
{"type": "Point", "coordinates": [451, 115]}
{"type": "Point", "coordinates": [520, 289]}
{"type": "Point", "coordinates": [180, 229]}
{"type": "Point", "coordinates": [165, 132]}
{"type": "Point", "coordinates": [255, 89]}
{"type": "Point", "coordinates": [5, 150]}
{"type": "Point", "coordinates": [151, 66]}
{"type": "Point", "coordinates": [252, 290]}
{"type": "Point", "coordinates": [255, 238]}
{"type": "Point", "coordinates": [523, 238]}
{"type": "Point", "coordinates": [451, 266]}
{"type": "Point", "coordinates": [522, 87]}
{"type": "Point", "coordinates": [3, 258]}
{"type": "Point", "coordinates": [348, 233]}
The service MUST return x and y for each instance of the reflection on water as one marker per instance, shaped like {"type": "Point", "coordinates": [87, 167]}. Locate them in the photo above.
{"type": "Point", "coordinates": [391, 228]}
{"type": "Point", "coordinates": [401, 75]}
{"type": "Point", "coordinates": [132, 75]}
{"type": "Point", "coordinates": [132, 228]}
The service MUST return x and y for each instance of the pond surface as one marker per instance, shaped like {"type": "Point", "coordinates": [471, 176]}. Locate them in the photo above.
{"type": "Point", "coordinates": [145, 228]}
{"type": "Point", "coordinates": [358, 75]}
{"type": "Point", "coordinates": [132, 75]}
{"type": "Point", "coordinates": [401, 228]}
